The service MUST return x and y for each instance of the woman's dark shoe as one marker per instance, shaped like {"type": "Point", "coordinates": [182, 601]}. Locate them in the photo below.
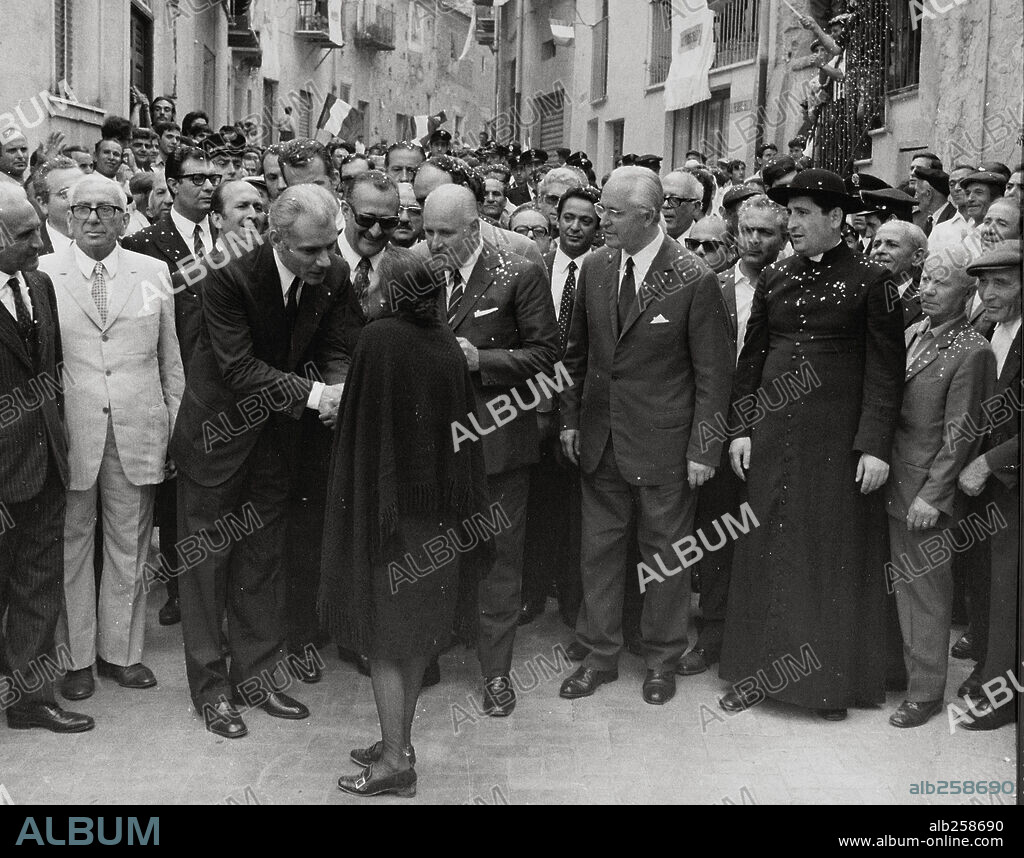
{"type": "Point", "coordinates": [972, 685]}
{"type": "Point", "coordinates": [401, 783]}
{"type": "Point", "coordinates": [432, 675]}
{"type": "Point", "coordinates": [368, 756]}
{"type": "Point", "coordinates": [738, 701]}
{"type": "Point", "coordinates": [989, 717]}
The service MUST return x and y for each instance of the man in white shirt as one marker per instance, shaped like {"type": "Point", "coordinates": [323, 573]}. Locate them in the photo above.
{"type": "Point", "coordinates": [681, 205]}
{"type": "Point", "coordinates": [52, 185]}
{"type": "Point", "coordinates": [902, 247]}
{"type": "Point", "coordinates": [122, 351]}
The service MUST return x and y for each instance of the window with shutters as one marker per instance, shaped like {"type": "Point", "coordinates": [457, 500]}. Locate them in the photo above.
{"type": "Point", "coordinates": [61, 42]}
{"type": "Point", "coordinates": [661, 41]}
{"type": "Point", "coordinates": [141, 51]}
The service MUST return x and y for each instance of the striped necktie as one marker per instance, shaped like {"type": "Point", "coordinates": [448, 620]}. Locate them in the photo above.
{"type": "Point", "coordinates": [453, 302]}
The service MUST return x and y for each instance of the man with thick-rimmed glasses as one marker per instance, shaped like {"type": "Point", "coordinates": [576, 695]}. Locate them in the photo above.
{"type": "Point", "coordinates": [681, 203]}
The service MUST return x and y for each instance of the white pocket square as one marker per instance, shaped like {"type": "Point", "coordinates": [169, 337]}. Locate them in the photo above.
{"type": "Point", "coordinates": [480, 313]}
{"type": "Point", "coordinates": [659, 320]}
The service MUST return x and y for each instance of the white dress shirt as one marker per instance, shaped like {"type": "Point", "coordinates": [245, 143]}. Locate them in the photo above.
{"type": "Point", "coordinates": [560, 273]}
{"type": "Point", "coordinates": [465, 271]}
{"type": "Point", "coordinates": [186, 229]}
{"type": "Point", "coordinates": [59, 241]}
{"type": "Point", "coordinates": [642, 261]}
{"type": "Point", "coordinates": [7, 296]}
{"type": "Point", "coordinates": [353, 259]}
{"type": "Point", "coordinates": [87, 265]}
{"type": "Point", "coordinates": [744, 301]}
{"type": "Point", "coordinates": [1002, 341]}
{"type": "Point", "coordinates": [948, 233]}
{"type": "Point", "coordinates": [287, 276]}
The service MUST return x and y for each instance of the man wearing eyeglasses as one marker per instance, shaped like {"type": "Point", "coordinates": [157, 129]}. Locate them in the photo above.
{"type": "Point", "coordinates": [52, 184]}
{"type": "Point", "coordinates": [529, 222]}
{"type": "Point", "coordinates": [550, 190]}
{"type": "Point", "coordinates": [651, 363]}
{"type": "Point", "coordinates": [410, 218]}
{"type": "Point", "coordinates": [121, 349]}
{"type": "Point", "coordinates": [179, 238]}
{"type": "Point", "coordinates": [681, 203]}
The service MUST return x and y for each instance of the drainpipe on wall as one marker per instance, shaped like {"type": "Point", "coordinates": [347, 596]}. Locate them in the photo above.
{"type": "Point", "coordinates": [761, 84]}
{"type": "Point", "coordinates": [520, 56]}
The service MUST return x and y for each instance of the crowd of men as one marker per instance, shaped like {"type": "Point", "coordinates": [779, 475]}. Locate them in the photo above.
{"type": "Point", "coordinates": [180, 306]}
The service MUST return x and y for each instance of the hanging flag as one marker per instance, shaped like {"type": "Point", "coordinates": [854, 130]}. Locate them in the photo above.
{"type": "Point", "coordinates": [422, 127]}
{"type": "Point", "coordinates": [693, 54]}
{"type": "Point", "coordinates": [332, 117]}
{"type": "Point", "coordinates": [469, 37]}
{"type": "Point", "coordinates": [335, 32]}
{"type": "Point", "coordinates": [562, 32]}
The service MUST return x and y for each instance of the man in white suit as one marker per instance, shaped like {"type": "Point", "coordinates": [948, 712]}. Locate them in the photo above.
{"type": "Point", "coordinates": [124, 387]}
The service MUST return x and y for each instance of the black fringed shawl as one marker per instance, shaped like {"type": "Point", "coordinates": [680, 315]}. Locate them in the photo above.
{"type": "Point", "coordinates": [393, 453]}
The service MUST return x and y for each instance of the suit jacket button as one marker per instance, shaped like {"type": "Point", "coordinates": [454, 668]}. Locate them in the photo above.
{"type": "Point", "coordinates": [105, 338]}
{"type": "Point", "coordinates": [106, 410]}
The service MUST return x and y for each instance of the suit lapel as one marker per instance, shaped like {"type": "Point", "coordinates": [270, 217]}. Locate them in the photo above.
{"type": "Point", "coordinates": [481, 277]}
{"type": "Point", "coordinates": [646, 294]}
{"type": "Point", "coordinates": [169, 241]}
{"type": "Point", "coordinates": [614, 264]}
{"type": "Point", "coordinates": [79, 287]}
{"type": "Point", "coordinates": [9, 335]}
{"type": "Point", "coordinates": [1012, 367]}
{"type": "Point", "coordinates": [729, 296]}
{"type": "Point", "coordinates": [120, 288]}
{"type": "Point", "coordinates": [934, 348]}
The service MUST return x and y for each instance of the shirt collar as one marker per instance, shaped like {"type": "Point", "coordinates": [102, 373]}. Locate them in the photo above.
{"type": "Point", "coordinates": [186, 228]}
{"type": "Point", "coordinates": [820, 256]}
{"type": "Point", "coordinates": [353, 259]}
{"type": "Point", "coordinates": [466, 269]}
{"type": "Point", "coordinates": [87, 265]}
{"type": "Point", "coordinates": [1009, 328]}
{"type": "Point", "coordinates": [284, 272]}
{"type": "Point", "coordinates": [643, 259]}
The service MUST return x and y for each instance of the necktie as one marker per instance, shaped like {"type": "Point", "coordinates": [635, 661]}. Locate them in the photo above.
{"type": "Point", "coordinates": [291, 305]}
{"type": "Point", "coordinates": [928, 224]}
{"type": "Point", "coordinates": [197, 242]}
{"type": "Point", "coordinates": [21, 313]}
{"type": "Point", "coordinates": [565, 308]}
{"type": "Point", "coordinates": [99, 290]}
{"type": "Point", "coordinates": [361, 283]}
{"type": "Point", "coordinates": [919, 344]}
{"type": "Point", "coordinates": [627, 292]}
{"type": "Point", "coordinates": [453, 302]}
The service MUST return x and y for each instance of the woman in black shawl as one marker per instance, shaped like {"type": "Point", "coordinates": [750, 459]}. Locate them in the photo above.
{"type": "Point", "coordinates": [399, 527]}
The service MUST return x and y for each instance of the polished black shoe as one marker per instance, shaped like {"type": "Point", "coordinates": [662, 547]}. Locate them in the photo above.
{"type": "Point", "coordinates": [915, 714]}
{"type": "Point", "coordinates": [659, 687]}
{"type": "Point", "coordinates": [281, 705]}
{"type": "Point", "coordinates": [988, 717]}
{"type": "Point", "coordinates": [499, 696]}
{"type": "Point", "coordinates": [971, 686]}
{"type": "Point", "coordinates": [832, 714]}
{"type": "Point", "coordinates": [368, 756]}
{"type": "Point", "coordinates": [133, 676]}
{"type": "Point", "coordinates": [367, 784]}
{"type": "Point", "coordinates": [305, 670]}
{"type": "Point", "coordinates": [528, 613]}
{"type": "Point", "coordinates": [432, 675]}
{"type": "Point", "coordinates": [964, 648]}
{"type": "Point", "coordinates": [577, 651]}
{"type": "Point", "coordinates": [222, 719]}
{"type": "Point", "coordinates": [585, 682]}
{"type": "Point", "coordinates": [738, 701]}
{"type": "Point", "coordinates": [170, 613]}
{"type": "Point", "coordinates": [697, 660]}
{"type": "Point", "coordinates": [78, 684]}
{"type": "Point", "coordinates": [48, 716]}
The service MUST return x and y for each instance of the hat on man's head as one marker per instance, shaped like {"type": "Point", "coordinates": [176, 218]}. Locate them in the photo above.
{"type": "Point", "coordinates": [985, 177]}
{"type": "Point", "coordinates": [651, 162]}
{"type": "Point", "coordinates": [821, 185]}
{"type": "Point", "coordinates": [938, 179]}
{"type": "Point", "coordinates": [8, 133]}
{"type": "Point", "coordinates": [889, 202]}
{"type": "Point", "coordinates": [995, 167]}
{"type": "Point", "coordinates": [563, 152]}
{"type": "Point", "coordinates": [579, 159]}
{"type": "Point", "coordinates": [858, 182]}
{"type": "Point", "coordinates": [738, 194]}
{"type": "Point", "coordinates": [441, 135]}
{"type": "Point", "coordinates": [534, 156]}
{"type": "Point", "coordinates": [1006, 254]}
{"type": "Point", "coordinates": [221, 142]}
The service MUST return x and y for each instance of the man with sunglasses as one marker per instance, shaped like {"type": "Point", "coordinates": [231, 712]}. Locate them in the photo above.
{"type": "Point", "coordinates": [121, 348]}
{"type": "Point", "coordinates": [179, 235]}
{"type": "Point", "coordinates": [709, 239]}
{"type": "Point", "coordinates": [681, 206]}
{"type": "Point", "coordinates": [550, 190]}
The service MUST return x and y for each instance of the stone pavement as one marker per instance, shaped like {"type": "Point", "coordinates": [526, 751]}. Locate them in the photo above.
{"type": "Point", "coordinates": [149, 748]}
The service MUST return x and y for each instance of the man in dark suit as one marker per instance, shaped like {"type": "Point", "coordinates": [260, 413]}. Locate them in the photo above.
{"type": "Point", "coordinates": [267, 317]}
{"type": "Point", "coordinates": [181, 236]}
{"type": "Point", "coordinates": [902, 247]}
{"type": "Point", "coordinates": [499, 308]}
{"type": "Point", "coordinates": [651, 362]}
{"type": "Point", "coordinates": [33, 474]}
{"type": "Point", "coordinates": [997, 471]}
{"type": "Point", "coordinates": [950, 372]}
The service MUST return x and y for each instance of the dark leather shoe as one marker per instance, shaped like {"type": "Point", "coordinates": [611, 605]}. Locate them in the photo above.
{"type": "Point", "coordinates": [915, 714]}
{"type": "Point", "coordinates": [499, 696]}
{"type": "Point", "coordinates": [964, 648]}
{"type": "Point", "coordinates": [697, 660]}
{"type": "Point", "coordinates": [280, 705]}
{"type": "Point", "coordinates": [170, 613]}
{"type": "Point", "coordinates": [577, 651]}
{"type": "Point", "coordinates": [832, 714]}
{"type": "Point", "coordinates": [223, 720]}
{"type": "Point", "coordinates": [585, 682]}
{"type": "Point", "coordinates": [987, 717]}
{"type": "Point", "coordinates": [432, 675]}
{"type": "Point", "coordinates": [368, 784]}
{"type": "Point", "coordinates": [972, 685]}
{"type": "Point", "coordinates": [738, 701]}
{"type": "Point", "coordinates": [659, 687]}
{"type": "Point", "coordinates": [528, 613]}
{"type": "Point", "coordinates": [133, 676]}
{"type": "Point", "coordinates": [78, 684]}
{"type": "Point", "coordinates": [48, 716]}
{"type": "Point", "coordinates": [308, 671]}
{"type": "Point", "coordinates": [368, 756]}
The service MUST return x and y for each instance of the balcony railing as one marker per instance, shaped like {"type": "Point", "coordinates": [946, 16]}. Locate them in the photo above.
{"type": "Point", "coordinates": [313, 25]}
{"type": "Point", "coordinates": [735, 31]}
{"type": "Point", "coordinates": [375, 26]}
{"type": "Point", "coordinates": [599, 69]}
{"type": "Point", "coordinates": [903, 49]}
{"type": "Point", "coordinates": [241, 36]}
{"type": "Point", "coordinates": [661, 41]}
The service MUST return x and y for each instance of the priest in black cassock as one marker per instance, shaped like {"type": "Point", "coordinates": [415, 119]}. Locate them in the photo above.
{"type": "Point", "coordinates": [815, 403]}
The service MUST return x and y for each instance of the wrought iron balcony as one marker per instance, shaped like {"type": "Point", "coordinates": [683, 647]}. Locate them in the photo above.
{"type": "Point", "coordinates": [241, 35]}
{"type": "Point", "coordinates": [375, 26]}
{"type": "Point", "coordinates": [314, 24]}
{"type": "Point", "coordinates": [736, 25]}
